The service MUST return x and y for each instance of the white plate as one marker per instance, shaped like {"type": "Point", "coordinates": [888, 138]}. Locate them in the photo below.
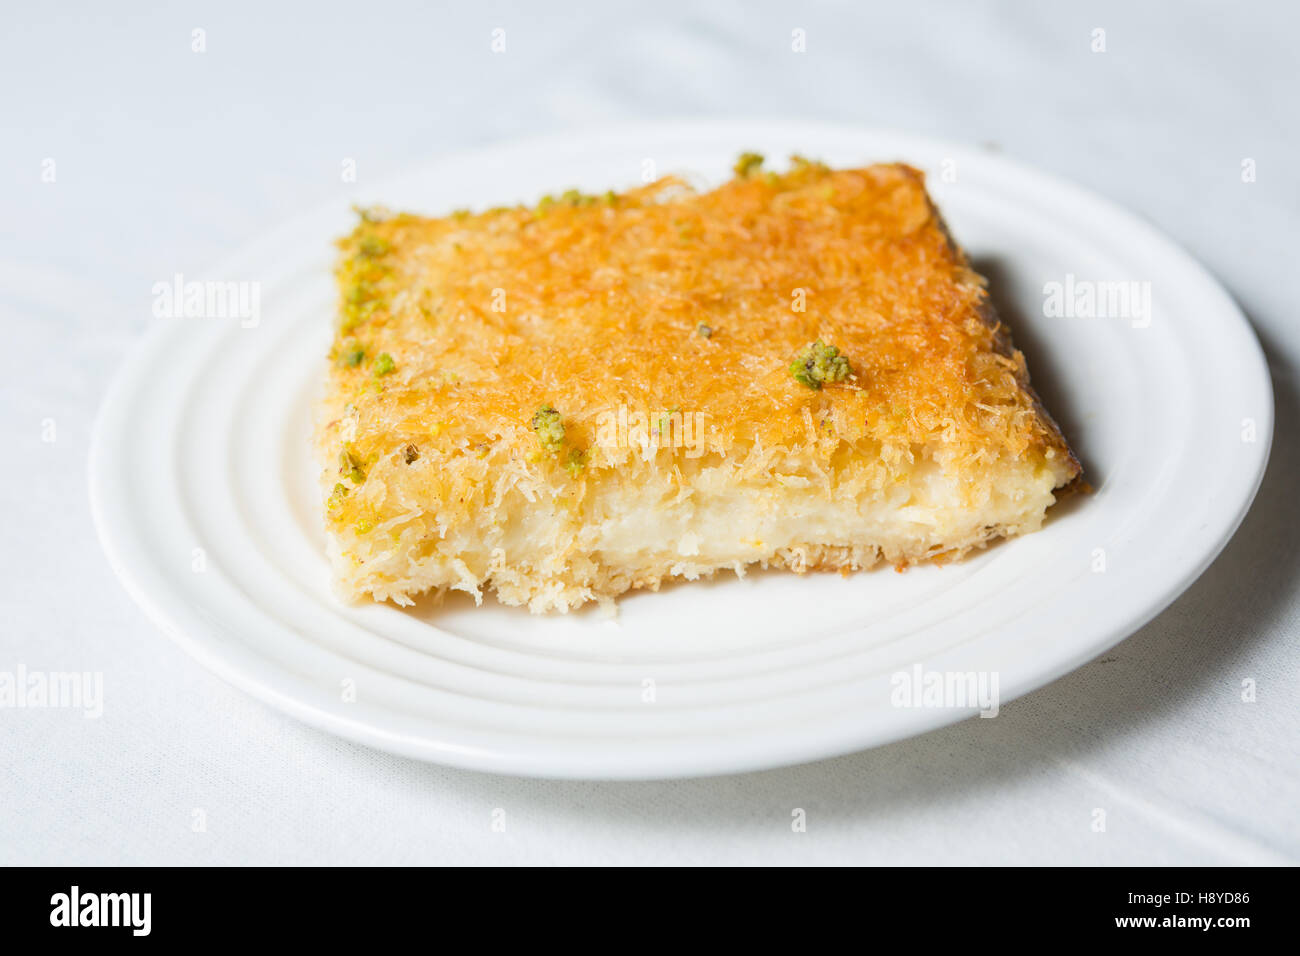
{"type": "Point", "coordinates": [204, 498]}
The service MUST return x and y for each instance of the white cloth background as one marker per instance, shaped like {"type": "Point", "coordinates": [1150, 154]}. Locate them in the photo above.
{"type": "Point", "coordinates": [166, 160]}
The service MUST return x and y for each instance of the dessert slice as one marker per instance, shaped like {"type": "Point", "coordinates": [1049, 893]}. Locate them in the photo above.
{"type": "Point", "coordinates": [598, 393]}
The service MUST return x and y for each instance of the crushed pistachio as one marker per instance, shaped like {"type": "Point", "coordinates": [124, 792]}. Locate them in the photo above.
{"type": "Point", "coordinates": [411, 454]}
{"type": "Point", "coordinates": [360, 297]}
{"type": "Point", "coordinates": [573, 198]}
{"type": "Point", "coordinates": [704, 331]}
{"type": "Point", "coordinates": [747, 164]}
{"type": "Point", "coordinates": [372, 247]}
{"type": "Point", "coordinates": [372, 213]}
{"type": "Point", "coordinates": [352, 354]}
{"type": "Point", "coordinates": [576, 461]}
{"type": "Point", "coordinates": [335, 501]}
{"type": "Point", "coordinates": [364, 526]}
{"type": "Point", "coordinates": [819, 363]}
{"type": "Point", "coordinates": [610, 197]}
{"type": "Point", "coordinates": [351, 466]}
{"type": "Point", "coordinates": [383, 365]}
{"type": "Point", "coordinates": [802, 163]}
{"type": "Point", "coordinates": [354, 316]}
{"type": "Point", "coordinates": [460, 214]}
{"type": "Point", "coordinates": [549, 428]}
{"type": "Point", "coordinates": [358, 292]}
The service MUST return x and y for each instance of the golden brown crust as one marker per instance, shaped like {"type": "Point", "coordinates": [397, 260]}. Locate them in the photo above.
{"type": "Point", "coordinates": [591, 305]}
{"type": "Point", "coordinates": [1004, 345]}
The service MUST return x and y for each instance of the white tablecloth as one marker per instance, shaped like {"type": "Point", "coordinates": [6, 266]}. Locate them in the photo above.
{"type": "Point", "coordinates": [165, 159]}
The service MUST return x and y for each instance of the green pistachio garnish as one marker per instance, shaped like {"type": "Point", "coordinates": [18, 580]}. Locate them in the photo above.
{"type": "Point", "coordinates": [372, 213]}
{"type": "Point", "coordinates": [383, 364]}
{"type": "Point", "coordinates": [355, 315]}
{"type": "Point", "coordinates": [358, 304]}
{"type": "Point", "coordinates": [372, 247]}
{"type": "Point", "coordinates": [549, 428]}
{"type": "Point", "coordinates": [360, 278]}
{"type": "Point", "coordinates": [704, 331]}
{"type": "Point", "coordinates": [819, 363]}
{"type": "Point", "coordinates": [747, 164]}
{"type": "Point", "coordinates": [358, 292]}
{"type": "Point", "coordinates": [570, 197]}
{"type": "Point", "coordinates": [352, 354]}
{"type": "Point", "coordinates": [351, 467]}
{"type": "Point", "coordinates": [576, 461]}
{"type": "Point", "coordinates": [364, 525]}
{"type": "Point", "coordinates": [802, 163]}
{"type": "Point", "coordinates": [335, 501]}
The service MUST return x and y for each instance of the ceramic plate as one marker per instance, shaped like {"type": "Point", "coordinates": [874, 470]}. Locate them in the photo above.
{"type": "Point", "coordinates": [204, 495]}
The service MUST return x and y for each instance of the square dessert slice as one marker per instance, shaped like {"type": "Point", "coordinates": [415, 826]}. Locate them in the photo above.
{"type": "Point", "coordinates": [563, 402]}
